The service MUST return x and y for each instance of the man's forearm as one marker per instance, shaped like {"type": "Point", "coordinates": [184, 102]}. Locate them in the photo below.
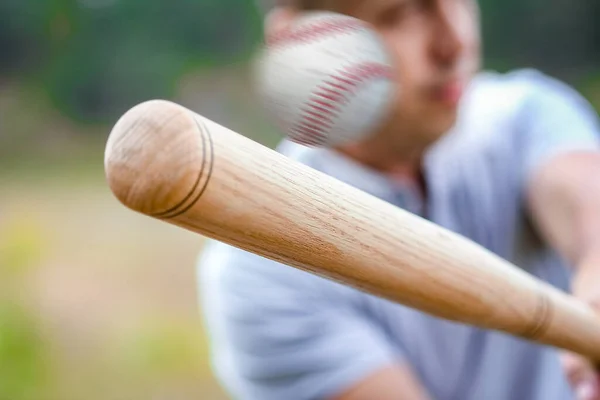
{"type": "Point", "coordinates": [564, 197]}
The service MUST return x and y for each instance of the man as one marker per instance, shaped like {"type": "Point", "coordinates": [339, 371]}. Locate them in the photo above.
{"type": "Point", "coordinates": [509, 161]}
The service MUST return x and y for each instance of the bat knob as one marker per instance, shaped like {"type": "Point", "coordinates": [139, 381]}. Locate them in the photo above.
{"type": "Point", "coordinates": [155, 157]}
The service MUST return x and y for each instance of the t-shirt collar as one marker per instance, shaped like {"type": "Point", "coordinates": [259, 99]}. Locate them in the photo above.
{"type": "Point", "coordinates": [358, 175]}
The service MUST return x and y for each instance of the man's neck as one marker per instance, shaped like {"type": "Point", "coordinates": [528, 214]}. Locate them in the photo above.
{"type": "Point", "coordinates": [396, 167]}
{"type": "Point", "coordinates": [401, 171]}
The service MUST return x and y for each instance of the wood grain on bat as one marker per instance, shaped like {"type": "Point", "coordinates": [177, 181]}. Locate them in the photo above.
{"type": "Point", "coordinates": [166, 161]}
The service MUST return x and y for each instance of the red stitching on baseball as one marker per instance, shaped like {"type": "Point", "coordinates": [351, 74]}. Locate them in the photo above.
{"type": "Point", "coordinates": [320, 109]}
{"type": "Point", "coordinates": [329, 97]}
{"type": "Point", "coordinates": [314, 115]}
{"type": "Point", "coordinates": [313, 121]}
{"type": "Point", "coordinates": [336, 85]}
{"type": "Point", "coordinates": [323, 105]}
{"type": "Point", "coordinates": [344, 82]}
{"type": "Point", "coordinates": [313, 31]}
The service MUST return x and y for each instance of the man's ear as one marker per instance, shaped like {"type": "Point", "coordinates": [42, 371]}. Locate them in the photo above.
{"type": "Point", "coordinates": [278, 19]}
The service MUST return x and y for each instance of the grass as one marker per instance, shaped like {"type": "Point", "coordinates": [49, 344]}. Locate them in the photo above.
{"type": "Point", "coordinates": [96, 301]}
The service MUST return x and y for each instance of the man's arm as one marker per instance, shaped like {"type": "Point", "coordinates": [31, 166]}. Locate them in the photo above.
{"type": "Point", "coordinates": [558, 141]}
{"type": "Point", "coordinates": [559, 138]}
{"type": "Point", "coordinates": [564, 199]}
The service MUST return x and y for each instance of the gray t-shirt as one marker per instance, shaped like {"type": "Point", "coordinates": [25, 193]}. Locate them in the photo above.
{"type": "Point", "coordinates": [278, 333]}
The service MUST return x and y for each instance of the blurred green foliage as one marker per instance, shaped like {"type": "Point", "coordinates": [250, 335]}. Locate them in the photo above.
{"type": "Point", "coordinates": [95, 58]}
{"type": "Point", "coordinates": [560, 37]}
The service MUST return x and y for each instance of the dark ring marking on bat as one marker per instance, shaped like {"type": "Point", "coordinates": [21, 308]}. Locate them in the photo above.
{"type": "Point", "coordinates": [207, 159]}
{"type": "Point", "coordinates": [174, 209]}
{"type": "Point", "coordinates": [542, 318]}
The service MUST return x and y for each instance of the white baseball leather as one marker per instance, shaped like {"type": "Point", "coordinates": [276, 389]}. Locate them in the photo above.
{"type": "Point", "coordinates": [325, 81]}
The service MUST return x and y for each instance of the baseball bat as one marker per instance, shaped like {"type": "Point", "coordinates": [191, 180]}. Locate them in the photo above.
{"type": "Point", "coordinates": [170, 163]}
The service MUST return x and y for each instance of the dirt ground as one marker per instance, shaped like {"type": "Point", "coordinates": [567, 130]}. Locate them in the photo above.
{"type": "Point", "coordinates": [109, 296]}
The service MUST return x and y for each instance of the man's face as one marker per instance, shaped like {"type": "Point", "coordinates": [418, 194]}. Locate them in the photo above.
{"type": "Point", "coordinates": [435, 45]}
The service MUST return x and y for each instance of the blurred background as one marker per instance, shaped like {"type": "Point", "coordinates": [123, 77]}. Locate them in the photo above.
{"type": "Point", "coordinates": [97, 302]}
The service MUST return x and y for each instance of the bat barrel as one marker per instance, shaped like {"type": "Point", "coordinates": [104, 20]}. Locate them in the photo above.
{"type": "Point", "coordinates": [157, 159]}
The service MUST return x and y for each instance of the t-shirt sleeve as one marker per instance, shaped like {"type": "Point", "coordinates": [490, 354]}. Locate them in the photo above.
{"type": "Point", "coordinates": [280, 333]}
{"type": "Point", "coordinates": [555, 120]}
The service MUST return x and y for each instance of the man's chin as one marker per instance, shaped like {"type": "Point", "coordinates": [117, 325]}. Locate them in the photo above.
{"type": "Point", "coordinates": [442, 123]}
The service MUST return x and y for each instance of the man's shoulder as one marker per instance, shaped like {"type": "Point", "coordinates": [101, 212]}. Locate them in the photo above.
{"type": "Point", "coordinates": [521, 80]}
{"type": "Point", "coordinates": [507, 93]}
{"type": "Point", "coordinates": [498, 103]}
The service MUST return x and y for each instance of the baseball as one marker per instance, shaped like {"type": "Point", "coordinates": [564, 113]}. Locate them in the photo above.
{"type": "Point", "coordinates": [326, 80]}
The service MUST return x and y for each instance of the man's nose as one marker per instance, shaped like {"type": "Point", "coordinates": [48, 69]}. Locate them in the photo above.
{"type": "Point", "coordinates": [448, 40]}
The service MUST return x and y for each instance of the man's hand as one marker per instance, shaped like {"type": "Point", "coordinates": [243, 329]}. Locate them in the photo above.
{"type": "Point", "coordinates": [582, 376]}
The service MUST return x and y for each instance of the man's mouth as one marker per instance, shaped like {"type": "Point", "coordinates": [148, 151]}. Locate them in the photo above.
{"type": "Point", "coordinates": [448, 93]}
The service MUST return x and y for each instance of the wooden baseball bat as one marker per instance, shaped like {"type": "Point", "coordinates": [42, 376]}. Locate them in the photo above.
{"type": "Point", "coordinates": [169, 163]}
